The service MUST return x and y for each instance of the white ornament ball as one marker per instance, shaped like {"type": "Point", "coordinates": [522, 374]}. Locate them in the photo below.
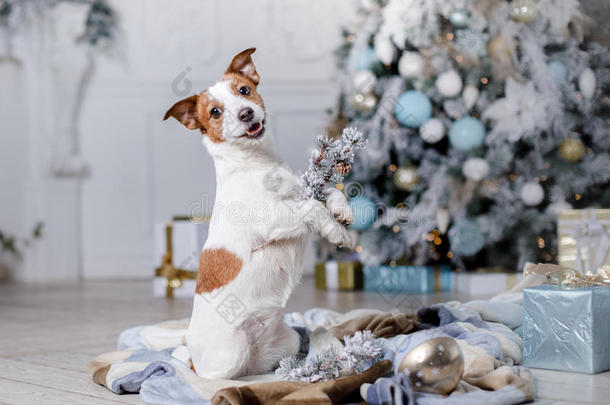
{"type": "Point", "coordinates": [532, 194]}
{"type": "Point", "coordinates": [470, 95]}
{"type": "Point", "coordinates": [587, 83]}
{"type": "Point", "coordinates": [449, 84]}
{"type": "Point", "coordinates": [411, 65]}
{"type": "Point", "coordinates": [432, 131]}
{"type": "Point", "coordinates": [475, 169]}
{"type": "Point", "coordinates": [384, 49]}
{"type": "Point", "coordinates": [364, 81]}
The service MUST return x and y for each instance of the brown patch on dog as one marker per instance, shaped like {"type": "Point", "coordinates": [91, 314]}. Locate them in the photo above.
{"type": "Point", "coordinates": [217, 268]}
{"type": "Point", "coordinates": [243, 65]}
{"type": "Point", "coordinates": [210, 126]}
{"type": "Point", "coordinates": [238, 81]}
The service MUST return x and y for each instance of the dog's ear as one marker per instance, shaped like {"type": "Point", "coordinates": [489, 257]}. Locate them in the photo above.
{"type": "Point", "coordinates": [242, 64]}
{"type": "Point", "coordinates": [185, 112]}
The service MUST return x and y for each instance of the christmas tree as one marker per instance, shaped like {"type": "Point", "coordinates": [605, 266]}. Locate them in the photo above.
{"type": "Point", "coordinates": [484, 119]}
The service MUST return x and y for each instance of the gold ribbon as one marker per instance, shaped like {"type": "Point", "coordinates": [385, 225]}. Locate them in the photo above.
{"type": "Point", "coordinates": [568, 277]}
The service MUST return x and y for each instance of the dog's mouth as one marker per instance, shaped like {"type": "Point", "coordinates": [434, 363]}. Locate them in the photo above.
{"type": "Point", "coordinates": [255, 130]}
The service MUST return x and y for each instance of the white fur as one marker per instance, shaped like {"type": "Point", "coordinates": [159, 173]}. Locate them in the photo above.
{"type": "Point", "coordinates": [259, 217]}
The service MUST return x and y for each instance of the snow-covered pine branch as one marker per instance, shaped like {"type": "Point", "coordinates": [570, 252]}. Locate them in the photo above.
{"type": "Point", "coordinates": [330, 162]}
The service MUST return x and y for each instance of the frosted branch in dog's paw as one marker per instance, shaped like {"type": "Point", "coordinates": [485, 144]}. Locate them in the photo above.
{"type": "Point", "coordinates": [330, 162]}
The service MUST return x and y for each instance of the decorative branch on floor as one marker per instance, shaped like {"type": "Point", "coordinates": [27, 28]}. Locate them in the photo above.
{"type": "Point", "coordinates": [330, 162]}
{"type": "Point", "coordinates": [360, 352]}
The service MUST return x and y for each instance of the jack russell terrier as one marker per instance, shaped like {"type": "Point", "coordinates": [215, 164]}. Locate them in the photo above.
{"type": "Point", "coordinates": [259, 229]}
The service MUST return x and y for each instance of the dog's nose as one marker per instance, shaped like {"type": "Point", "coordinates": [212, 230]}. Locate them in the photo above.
{"type": "Point", "coordinates": [246, 114]}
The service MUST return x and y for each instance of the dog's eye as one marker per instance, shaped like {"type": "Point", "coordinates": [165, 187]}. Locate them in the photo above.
{"type": "Point", "coordinates": [215, 111]}
{"type": "Point", "coordinates": [244, 90]}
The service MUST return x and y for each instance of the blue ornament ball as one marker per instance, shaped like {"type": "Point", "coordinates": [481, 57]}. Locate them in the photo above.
{"type": "Point", "coordinates": [363, 58]}
{"type": "Point", "coordinates": [467, 133]}
{"type": "Point", "coordinates": [459, 18]}
{"type": "Point", "coordinates": [465, 238]}
{"type": "Point", "coordinates": [559, 71]}
{"type": "Point", "coordinates": [413, 109]}
{"type": "Point", "coordinates": [365, 212]}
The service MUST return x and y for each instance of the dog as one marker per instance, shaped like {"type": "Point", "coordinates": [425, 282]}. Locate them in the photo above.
{"type": "Point", "coordinates": [258, 231]}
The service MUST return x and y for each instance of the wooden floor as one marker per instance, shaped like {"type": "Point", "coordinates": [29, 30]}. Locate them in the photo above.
{"type": "Point", "coordinates": [49, 334]}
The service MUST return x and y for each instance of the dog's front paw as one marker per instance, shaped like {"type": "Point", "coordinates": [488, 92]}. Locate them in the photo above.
{"type": "Point", "coordinates": [341, 237]}
{"type": "Point", "coordinates": [339, 208]}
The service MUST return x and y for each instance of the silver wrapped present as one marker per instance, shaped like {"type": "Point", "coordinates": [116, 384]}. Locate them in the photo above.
{"type": "Point", "coordinates": [567, 329]}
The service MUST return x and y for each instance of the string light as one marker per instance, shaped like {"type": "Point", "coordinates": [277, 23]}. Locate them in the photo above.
{"type": "Point", "coordinates": [392, 167]}
{"type": "Point", "coordinates": [449, 254]}
{"type": "Point", "coordinates": [541, 243]}
{"type": "Point", "coordinates": [484, 80]}
{"type": "Point", "coordinates": [437, 241]}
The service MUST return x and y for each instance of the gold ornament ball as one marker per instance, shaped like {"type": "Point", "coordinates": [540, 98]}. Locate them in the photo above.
{"type": "Point", "coordinates": [364, 102]}
{"type": "Point", "coordinates": [572, 150]}
{"type": "Point", "coordinates": [435, 366]}
{"type": "Point", "coordinates": [499, 48]}
{"type": "Point", "coordinates": [406, 177]}
{"type": "Point", "coordinates": [523, 11]}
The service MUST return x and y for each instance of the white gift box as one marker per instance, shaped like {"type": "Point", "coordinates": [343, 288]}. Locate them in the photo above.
{"type": "Point", "coordinates": [482, 283]}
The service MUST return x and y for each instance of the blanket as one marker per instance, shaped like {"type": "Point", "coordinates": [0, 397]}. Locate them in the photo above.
{"type": "Point", "coordinates": [153, 360]}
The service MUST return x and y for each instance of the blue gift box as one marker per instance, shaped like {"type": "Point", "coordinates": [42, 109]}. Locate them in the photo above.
{"type": "Point", "coordinates": [413, 279]}
{"type": "Point", "coordinates": [567, 329]}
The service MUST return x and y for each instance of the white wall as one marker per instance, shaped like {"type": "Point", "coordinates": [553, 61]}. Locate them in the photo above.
{"type": "Point", "coordinates": [144, 170]}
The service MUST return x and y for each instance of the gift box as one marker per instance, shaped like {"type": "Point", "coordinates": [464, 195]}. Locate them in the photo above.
{"type": "Point", "coordinates": [178, 245]}
{"type": "Point", "coordinates": [337, 275]}
{"type": "Point", "coordinates": [485, 281]}
{"type": "Point", "coordinates": [414, 279]}
{"type": "Point", "coordinates": [567, 328]}
{"type": "Point", "coordinates": [583, 239]}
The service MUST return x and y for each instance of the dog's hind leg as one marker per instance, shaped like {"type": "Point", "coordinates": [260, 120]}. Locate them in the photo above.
{"type": "Point", "coordinates": [276, 341]}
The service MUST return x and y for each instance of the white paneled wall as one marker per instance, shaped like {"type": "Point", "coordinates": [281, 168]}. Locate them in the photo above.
{"type": "Point", "coordinates": [144, 170]}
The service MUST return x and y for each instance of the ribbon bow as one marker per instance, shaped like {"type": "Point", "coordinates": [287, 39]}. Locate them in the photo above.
{"type": "Point", "coordinates": [567, 277]}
